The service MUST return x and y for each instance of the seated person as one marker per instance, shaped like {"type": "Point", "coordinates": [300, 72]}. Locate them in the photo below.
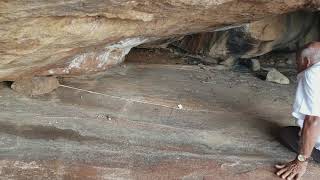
{"type": "Point", "coordinates": [304, 139]}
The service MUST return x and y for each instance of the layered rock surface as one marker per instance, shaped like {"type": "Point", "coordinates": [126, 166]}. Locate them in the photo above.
{"type": "Point", "coordinates": [62, 37]}
{"type": "Point", "coordinates": [290, 30]}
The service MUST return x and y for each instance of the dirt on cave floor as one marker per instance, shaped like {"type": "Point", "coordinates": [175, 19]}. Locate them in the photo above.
{"type": "Point", "coordinates": [144, 120]}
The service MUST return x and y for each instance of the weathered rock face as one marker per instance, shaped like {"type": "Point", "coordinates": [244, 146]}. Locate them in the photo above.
{"type": "Point", "coordinates": [255, 39]}
{"type": "Point", "coordinates": [61, 37]}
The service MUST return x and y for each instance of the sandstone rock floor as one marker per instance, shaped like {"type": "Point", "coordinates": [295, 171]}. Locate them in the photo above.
{"type": "Point", "coordinates": [132, 127]}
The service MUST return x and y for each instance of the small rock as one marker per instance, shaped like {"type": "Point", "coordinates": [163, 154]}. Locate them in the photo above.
{"type": "Point", "coordinates": [201, 66]}
{"type": "Point", "coordinates": [35, 86]}
{"type": "Point", "coordinates": [180, 106]}
{"type": "Point", "coordinates": [277, 77]}
{"type": "Point", "coordinates": [229, 62]}
{"type": "Point", "coordinates": [255, 65]}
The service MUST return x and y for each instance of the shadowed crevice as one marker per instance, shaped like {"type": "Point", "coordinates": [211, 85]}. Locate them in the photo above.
{"type": "Point", "coordinates": [43, 132]}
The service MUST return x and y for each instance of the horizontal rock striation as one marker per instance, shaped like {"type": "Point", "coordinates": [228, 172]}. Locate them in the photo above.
{"type": "Point", "coordinates": [65, 37]}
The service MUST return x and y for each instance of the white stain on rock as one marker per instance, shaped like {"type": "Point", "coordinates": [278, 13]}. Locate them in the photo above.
{"type": "Point", "coordinates": [78, 60]}
{"type": "Point", "coordinates": [124, 48]}
{"type": "Point", "coordinates": [111, 55]}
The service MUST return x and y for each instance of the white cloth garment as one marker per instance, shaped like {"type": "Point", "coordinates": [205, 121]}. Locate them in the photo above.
{"type": "Point", "coordinates": [307, 101]}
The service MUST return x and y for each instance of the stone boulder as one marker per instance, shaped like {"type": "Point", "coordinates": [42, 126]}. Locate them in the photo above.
{"type": "Point", "coordinates": [277, 77]}
{"type": "Point", "coordinates": [35, 86]}
{"type": "Point", "coordinates": [66, 37]}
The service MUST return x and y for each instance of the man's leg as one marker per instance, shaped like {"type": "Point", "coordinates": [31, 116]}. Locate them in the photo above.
{"type": "Point", "coordinates": [289, 137]}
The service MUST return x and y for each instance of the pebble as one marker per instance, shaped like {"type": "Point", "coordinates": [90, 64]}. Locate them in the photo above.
{"type": "Point", "coordinates": [255, 65]}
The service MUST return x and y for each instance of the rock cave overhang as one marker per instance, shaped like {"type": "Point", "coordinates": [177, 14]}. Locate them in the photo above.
{"type": "Point", "coordinates": [58, 40]}
{"type": "Point", "coordinates": [283, 33]}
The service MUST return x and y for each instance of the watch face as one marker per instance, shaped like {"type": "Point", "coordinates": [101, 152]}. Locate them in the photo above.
{"type": "Point", "coordinates": [301, 158]}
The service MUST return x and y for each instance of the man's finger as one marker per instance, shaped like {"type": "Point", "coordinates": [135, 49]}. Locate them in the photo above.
{"type": "Point", "coordinates": [278, 166]}
{"type": "Point", "coordinates": [292, 175]}
{"type": "Point", "coordinates": [281, 171]}
{"type": "Point", "coordinates": [286, 174]}
{"type": "Point", "coordinates": [299, 176]}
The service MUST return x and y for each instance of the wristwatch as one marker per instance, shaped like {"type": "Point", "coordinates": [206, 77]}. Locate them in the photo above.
{"type": "Point", "coordinates": [302, 158]}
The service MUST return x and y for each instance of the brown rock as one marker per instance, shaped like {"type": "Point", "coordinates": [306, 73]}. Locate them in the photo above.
{"type": "Point", "coordinates": [40, 37]}
{"type": "Point", "coordinates": [35, 86]}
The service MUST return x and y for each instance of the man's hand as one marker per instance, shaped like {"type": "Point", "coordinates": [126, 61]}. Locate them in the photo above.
{"type": "Point", "coordinates": [292, 171]}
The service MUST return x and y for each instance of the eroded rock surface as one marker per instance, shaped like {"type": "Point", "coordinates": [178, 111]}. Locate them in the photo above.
{"type": "Point", "coordinates": [256, 38]}
{"type": "Point", "coordinates": [39, 37]}
{"type": "Point", "coordinates": [68, 134]}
